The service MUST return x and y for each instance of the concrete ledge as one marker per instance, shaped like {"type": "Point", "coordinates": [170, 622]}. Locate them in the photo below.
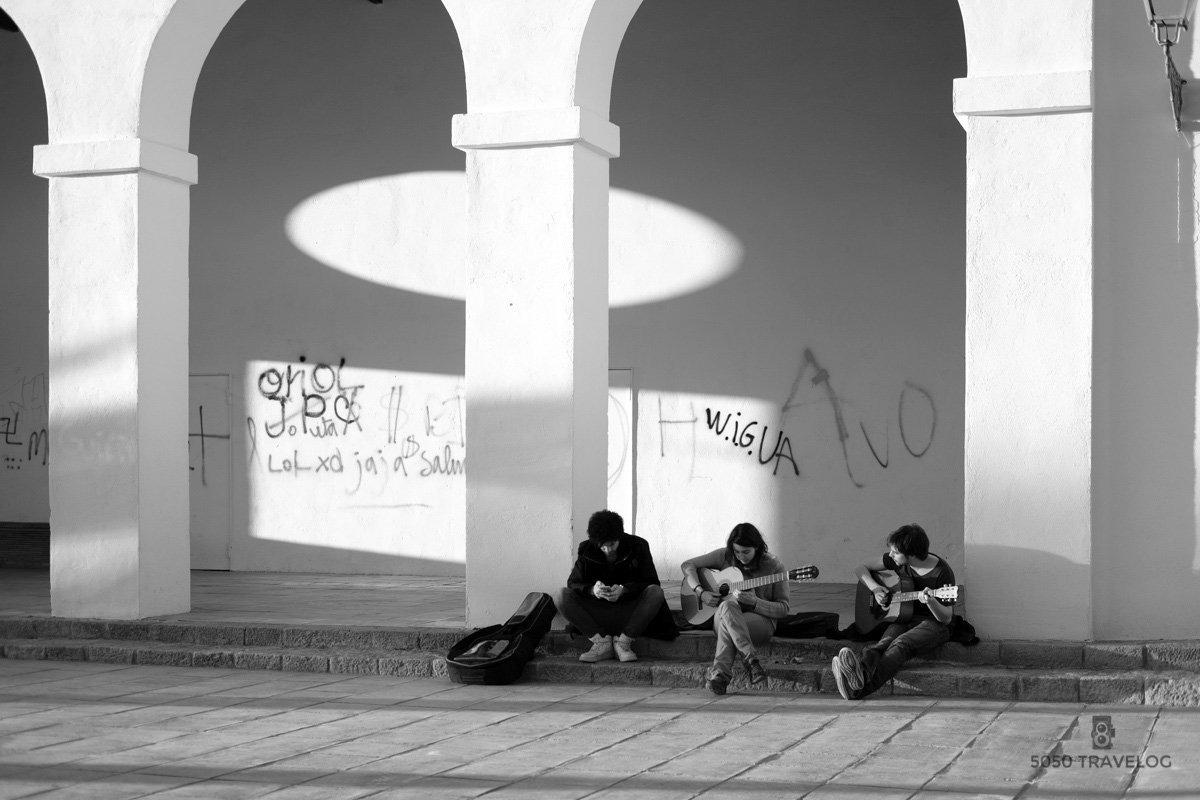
{"type": "Point", "coordinates": [71, 159]}
{"type": "Point", "coordinates": [25, 651]}
{"type": "Point", "coordinates": [1006, 683]}
{"type": "Point", "coordinates": [1114, 655]}
{"type": "Point", "coordinates": [1111, 688]}
{"type": "Point", "coordinates": [212, 658]}
{"type": "Point", "coordinates": [258, 660]}
{"type": "Point", "coordinates": [109, 654]}
{"type": "Point", "coordinates": [926, 681]}
{"type": "Point", "coordinates": [998, 684]}
{"type": "Point", "coordinates": [428, 639]}
{"type": "Point", "coordinates": [162, 656]}
{"type": "Point", "coordinates": [1173, 655]}
{"type": "Point", "coordinates": [1054, 687]}
{"type": "Point", "coordinates": [322, 638]}
{"type": "Point", "coordinates": [1157, 673]}
{"type": "Point", "coordinates": [1008, 95]}
{"type": "Point", "coordinates": [1172, 689]}
{"type": "Point", "coordinates": [263, 637]}
{"type": "Point", "coordinates": [538, 127]}
{"type": "Point", "coordinates": [354, 664]}
{"type": "Point", "coordinates": [52, 628]}
{"type": "Point", "coordinates": [1044, 655]}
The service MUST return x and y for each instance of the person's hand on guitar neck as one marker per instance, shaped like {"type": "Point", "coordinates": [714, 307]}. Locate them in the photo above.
{"type": "Point", "coordinates": [940, 612]}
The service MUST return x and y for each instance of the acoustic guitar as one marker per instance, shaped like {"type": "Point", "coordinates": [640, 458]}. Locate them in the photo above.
{"type": "Point", "coordinates": [869, 616]}
{"type": "Point", "coordinates": [730, 579]}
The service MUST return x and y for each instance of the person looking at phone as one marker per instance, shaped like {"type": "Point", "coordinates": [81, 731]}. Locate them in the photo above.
{"type": "Point", "coordinates": [613, 595]}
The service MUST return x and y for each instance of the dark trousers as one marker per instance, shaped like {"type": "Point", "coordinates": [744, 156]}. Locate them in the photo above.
{"type": "Point", "coordinates": [630, 615]}
{"type": "Point", "coordinates": [900, 642]}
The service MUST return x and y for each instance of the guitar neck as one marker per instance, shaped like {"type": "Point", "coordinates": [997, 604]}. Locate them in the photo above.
{"type": "Point", "coordinates": [763, 580]}
{"type": "Point", "coordinates": [904, 597]}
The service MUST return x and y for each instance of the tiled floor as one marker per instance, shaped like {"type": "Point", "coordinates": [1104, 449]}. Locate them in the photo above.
{"type": "Point", "coordinates": [352, 600]}
{"type": "Point", "coordinates": [89, 731]}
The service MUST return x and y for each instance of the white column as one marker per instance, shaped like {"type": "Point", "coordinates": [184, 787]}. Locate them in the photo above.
{"type": "Point", "coordinates": [119, 79]}
{"type": "Point", "coordinates": [1028, 463]}
{"type": "Point", "coordinates": [538, 140]}
{"type": "Point", "coordinates": [119, 543]}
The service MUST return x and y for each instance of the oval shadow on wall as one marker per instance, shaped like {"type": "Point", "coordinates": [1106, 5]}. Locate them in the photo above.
{"type": "Point", "coordinates": [408, 231]}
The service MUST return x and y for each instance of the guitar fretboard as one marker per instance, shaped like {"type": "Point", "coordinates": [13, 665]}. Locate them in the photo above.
{"type": "Point", "coordinates": [904, 597]}
{"type": "Point", "coordinates": [762, 580]}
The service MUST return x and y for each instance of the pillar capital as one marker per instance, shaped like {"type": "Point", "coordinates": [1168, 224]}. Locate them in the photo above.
{"type": "Point", "coordinates": [536, 128]}
{"type": "Point", "coordinates": [112, 157]}
{"type": "Point", "coordinates": [1010, 95]}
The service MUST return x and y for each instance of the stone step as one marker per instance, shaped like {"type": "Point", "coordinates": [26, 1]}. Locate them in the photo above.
{"type": "Point", "coordinates": [1151, 687]}
{"type": "Point", "coordinates": [359, 661]}
{"type": "Point", "coordinates": [690, 645]}
{"type": "Point", "coordinates": [787, 671]}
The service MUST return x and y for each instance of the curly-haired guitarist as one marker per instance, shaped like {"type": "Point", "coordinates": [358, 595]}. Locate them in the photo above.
{"type": "Point", "coordinates": [924, 578]}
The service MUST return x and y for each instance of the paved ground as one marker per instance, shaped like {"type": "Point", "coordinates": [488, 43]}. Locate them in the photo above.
{"type": "Point", "coordinates": [95, 731]}
{"type": "Point", "coordinates": [88, 730]}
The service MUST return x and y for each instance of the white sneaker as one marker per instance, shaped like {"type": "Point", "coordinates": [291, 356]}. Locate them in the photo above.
{"type": "Point", "coordinates": [848, 673]}
{"type": "Point", "coordinates": [624, 647]}
{"type": "Point", "coordinates": [602, 649]}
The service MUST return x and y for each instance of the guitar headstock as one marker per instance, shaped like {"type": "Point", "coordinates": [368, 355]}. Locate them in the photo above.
{"type": "Point", "coordinates": [946, 593]}
{"type": "Point", "coordinates": [806, 573]}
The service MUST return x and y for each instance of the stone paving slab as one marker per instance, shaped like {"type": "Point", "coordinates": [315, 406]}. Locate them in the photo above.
{"type": "Point", "coordinates": [347, 736]}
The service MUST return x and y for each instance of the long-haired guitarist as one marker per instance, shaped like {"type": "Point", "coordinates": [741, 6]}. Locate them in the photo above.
{"type": "Point", "coordinates": [926, 628]}
{"type": "Point", "coordinates": [744, 620]}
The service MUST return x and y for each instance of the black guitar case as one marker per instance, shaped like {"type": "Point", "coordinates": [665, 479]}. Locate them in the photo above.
{"type": "Point", "coordinates": [497, 654]}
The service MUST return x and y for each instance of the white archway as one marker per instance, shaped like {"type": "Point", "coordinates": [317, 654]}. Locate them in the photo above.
{"type": "Point", "coordinates": [119, 79]}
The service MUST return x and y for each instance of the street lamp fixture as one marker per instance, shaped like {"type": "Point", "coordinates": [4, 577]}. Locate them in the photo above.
{"type": "Point", "coordinates": [1169, 19]}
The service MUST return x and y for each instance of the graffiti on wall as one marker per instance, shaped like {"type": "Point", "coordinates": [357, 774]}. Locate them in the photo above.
{"type": "Point", "coordinates": [773, 447]}
{"type": "Point", "coordinates": [914, 427]}
{"type": "Point", "coordinates": [24, 416]}
{"type": "Point", "coordinates": [316, 421]}
{"type": "Point", "coordinates": [746, 432]}
{"type": "Point", "coordinates": [202, 439]}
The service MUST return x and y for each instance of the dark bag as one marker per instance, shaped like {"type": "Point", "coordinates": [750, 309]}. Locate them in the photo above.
{"type": "Point", "coordinates": [962, 631]}
{"type": "Point", "coordinates": [497, 654]}
{"type": "Point", "coordinates": [808, 625]}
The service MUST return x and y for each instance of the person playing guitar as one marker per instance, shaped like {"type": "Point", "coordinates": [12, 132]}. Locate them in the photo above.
{"type": "Point", "coordinates": [744, 620]}
{"type": "Point", "coordinates": [928, 627]}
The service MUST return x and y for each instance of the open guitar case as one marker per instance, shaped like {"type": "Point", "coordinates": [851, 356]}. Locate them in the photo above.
{"type": "Point", "coordinates": [497, 654]}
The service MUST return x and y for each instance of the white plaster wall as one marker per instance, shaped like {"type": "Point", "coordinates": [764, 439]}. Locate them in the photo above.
{"type": "Point", "coordinates": [1146, 556]}
{"type": "Point", "coordinates": [24, 411]}
{"type": "Point", "coordinates": [297, 98]}
{"type": "Point", "coordinates": [838, 169]}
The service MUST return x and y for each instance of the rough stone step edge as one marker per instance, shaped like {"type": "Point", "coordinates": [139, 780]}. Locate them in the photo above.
{"type": "Point", "coordinates": [996, 683]}
{"type": "Point", "coordinates": [1158, 655]}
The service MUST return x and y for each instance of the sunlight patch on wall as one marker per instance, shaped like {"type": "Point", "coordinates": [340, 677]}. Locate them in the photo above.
{"type": "Point", "coordinates": [357, 459]}
{"type": "Point", "coordinates": [409, 232]}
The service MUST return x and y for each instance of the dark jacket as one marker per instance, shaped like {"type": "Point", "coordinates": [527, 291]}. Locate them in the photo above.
{"type": "Point", "coordinates": [633, 569]}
